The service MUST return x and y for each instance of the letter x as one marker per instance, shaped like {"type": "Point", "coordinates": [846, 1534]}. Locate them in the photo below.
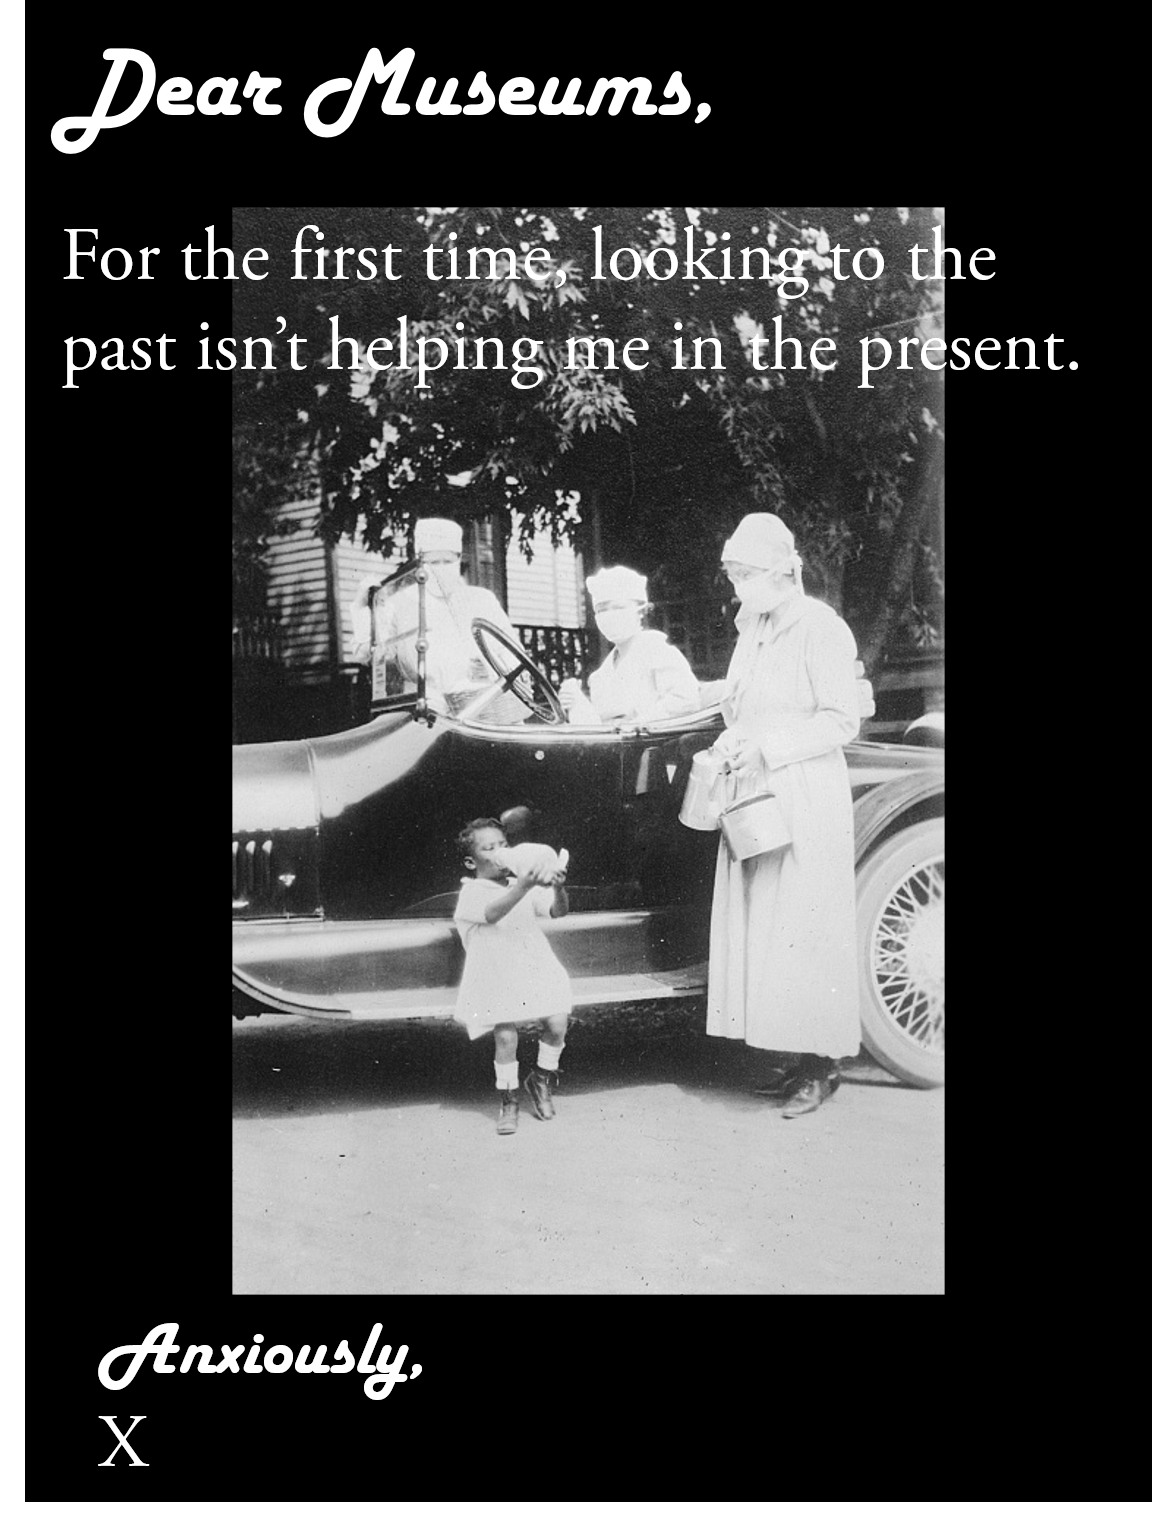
{"type": "Point", "coordinates": [122, 1440]}
{"type": "Point", "coordinates": [230, 1357]}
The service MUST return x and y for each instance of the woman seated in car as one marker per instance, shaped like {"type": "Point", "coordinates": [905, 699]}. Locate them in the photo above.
{"type": "Point", "coordinates": [457, 673]}
{"type": "Point", "coordinates": [644, 677]}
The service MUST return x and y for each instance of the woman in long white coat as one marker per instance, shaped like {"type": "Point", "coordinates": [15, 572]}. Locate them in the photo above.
{"type": "Point", "coordinates": [782, 956]}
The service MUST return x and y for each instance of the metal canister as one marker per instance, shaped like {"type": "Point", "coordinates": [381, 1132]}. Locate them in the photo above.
{"type": "Point", "coordinates": [704, 794]}
{"type": "Point", "coordinates": [753, 825]}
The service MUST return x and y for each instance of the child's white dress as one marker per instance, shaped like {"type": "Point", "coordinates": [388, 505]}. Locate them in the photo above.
{"type": "Point", "coordinates": [510, 972]}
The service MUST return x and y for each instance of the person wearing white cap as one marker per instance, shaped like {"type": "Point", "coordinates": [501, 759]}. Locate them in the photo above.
{"type": "Point", "coordinates": [644, 677]}
{"type": "Point", "coordinates": [454, 667]}
{"type": "Point", "coordinates": [782, 953]}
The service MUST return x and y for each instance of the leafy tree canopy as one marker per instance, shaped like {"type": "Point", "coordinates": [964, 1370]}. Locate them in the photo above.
{"type": "Point", "coordinates": [669, 458]}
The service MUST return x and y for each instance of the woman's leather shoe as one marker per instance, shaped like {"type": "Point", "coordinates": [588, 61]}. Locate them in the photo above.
{"type": "Point", "coordinates": [780, 1082]}
{"type": "Point", "coordinates": [809, 1095]}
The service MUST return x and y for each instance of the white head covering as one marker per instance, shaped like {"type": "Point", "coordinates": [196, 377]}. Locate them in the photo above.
{"type": "Point", "coordinates": [617, 584]}
{"type": "Point", "coordinates": [439, 534]}
{"type": "Point", "coordinates": [761, 539]}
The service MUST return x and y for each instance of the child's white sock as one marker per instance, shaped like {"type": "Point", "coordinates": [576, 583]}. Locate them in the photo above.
{"type": "Point", "coordinates": [548, 1057]}
{"type": "Point", "coordinates": [507, 1074]}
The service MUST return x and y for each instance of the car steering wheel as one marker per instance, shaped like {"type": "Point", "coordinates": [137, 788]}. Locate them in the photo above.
{"type": "Point", "coordinates": [549, 710]}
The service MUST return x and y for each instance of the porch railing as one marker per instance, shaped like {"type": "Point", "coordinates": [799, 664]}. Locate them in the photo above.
{"type": "Point", "coordinates": [559, 653]}
{"type": "Point", "coordinates": [258, 638]}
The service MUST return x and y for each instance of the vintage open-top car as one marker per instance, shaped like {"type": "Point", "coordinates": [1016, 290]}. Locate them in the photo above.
{"type": "Point", "coordinates": [345, 869]}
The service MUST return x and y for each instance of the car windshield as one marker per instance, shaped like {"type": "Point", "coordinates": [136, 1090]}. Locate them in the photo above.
{"type": "Point", "coordinates": [397, 677]}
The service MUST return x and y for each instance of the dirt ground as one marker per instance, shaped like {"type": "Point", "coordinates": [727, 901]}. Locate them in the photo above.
{"type": "Point", "coordinates": [366, 1162]}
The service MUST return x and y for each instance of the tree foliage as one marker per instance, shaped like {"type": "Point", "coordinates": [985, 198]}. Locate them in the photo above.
{"type": "Point", "coordinates": [669, 458]}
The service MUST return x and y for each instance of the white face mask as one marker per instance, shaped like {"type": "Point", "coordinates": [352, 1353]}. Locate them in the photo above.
{"type": "Point", "coordinates": [444, 579]}
{"type": "Point", "coordinates": [761, 593]}
{"type": "Point", "coordinates": [619, 624]}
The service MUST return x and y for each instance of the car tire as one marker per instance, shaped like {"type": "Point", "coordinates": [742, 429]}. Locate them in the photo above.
{"type": "Point", "coordinates": [900, 940]}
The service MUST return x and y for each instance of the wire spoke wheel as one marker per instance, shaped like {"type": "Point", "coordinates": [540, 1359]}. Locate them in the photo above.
{"type": "Point", "coordinates": [900, 907]}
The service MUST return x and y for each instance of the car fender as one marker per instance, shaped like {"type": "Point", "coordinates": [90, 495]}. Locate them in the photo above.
{"type": "Point", "coordinates": [878, 808]}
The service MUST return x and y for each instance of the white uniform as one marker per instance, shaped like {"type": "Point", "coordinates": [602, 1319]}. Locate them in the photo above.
{"type": "Point", "coordinates": [782, 954]}
{"type": "Point", "coordinates": [455, 669]}
{"type": "Point", "coordinates": [454, 663]}
{"type": "Point", "coordinates": [651, 678]}
{"type": "Point", "coordinates": [511, 975]}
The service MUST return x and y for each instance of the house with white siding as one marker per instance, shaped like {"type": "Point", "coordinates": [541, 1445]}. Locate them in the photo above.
{"type": "Point", "coordinates": [310, 586]}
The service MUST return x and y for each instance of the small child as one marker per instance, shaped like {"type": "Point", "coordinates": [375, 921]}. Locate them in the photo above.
{"type": "Point", "coordinates": [511, 976]}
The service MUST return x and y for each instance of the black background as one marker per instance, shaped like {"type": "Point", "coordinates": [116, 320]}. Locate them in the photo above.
{"type": "Point", "coordinates": [129, 1228]}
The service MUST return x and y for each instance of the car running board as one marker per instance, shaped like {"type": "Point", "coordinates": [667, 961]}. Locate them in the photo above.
{"type": "Point", "coordinates": [587, 992]}
{"type": "Point", "coordinates": [410, 968]}
{"type": "Point", "coordinates": [437, 1004]}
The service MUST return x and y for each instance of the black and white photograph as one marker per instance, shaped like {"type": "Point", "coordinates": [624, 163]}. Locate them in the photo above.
{"type": "Point", "coordinates": [588, 749]}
